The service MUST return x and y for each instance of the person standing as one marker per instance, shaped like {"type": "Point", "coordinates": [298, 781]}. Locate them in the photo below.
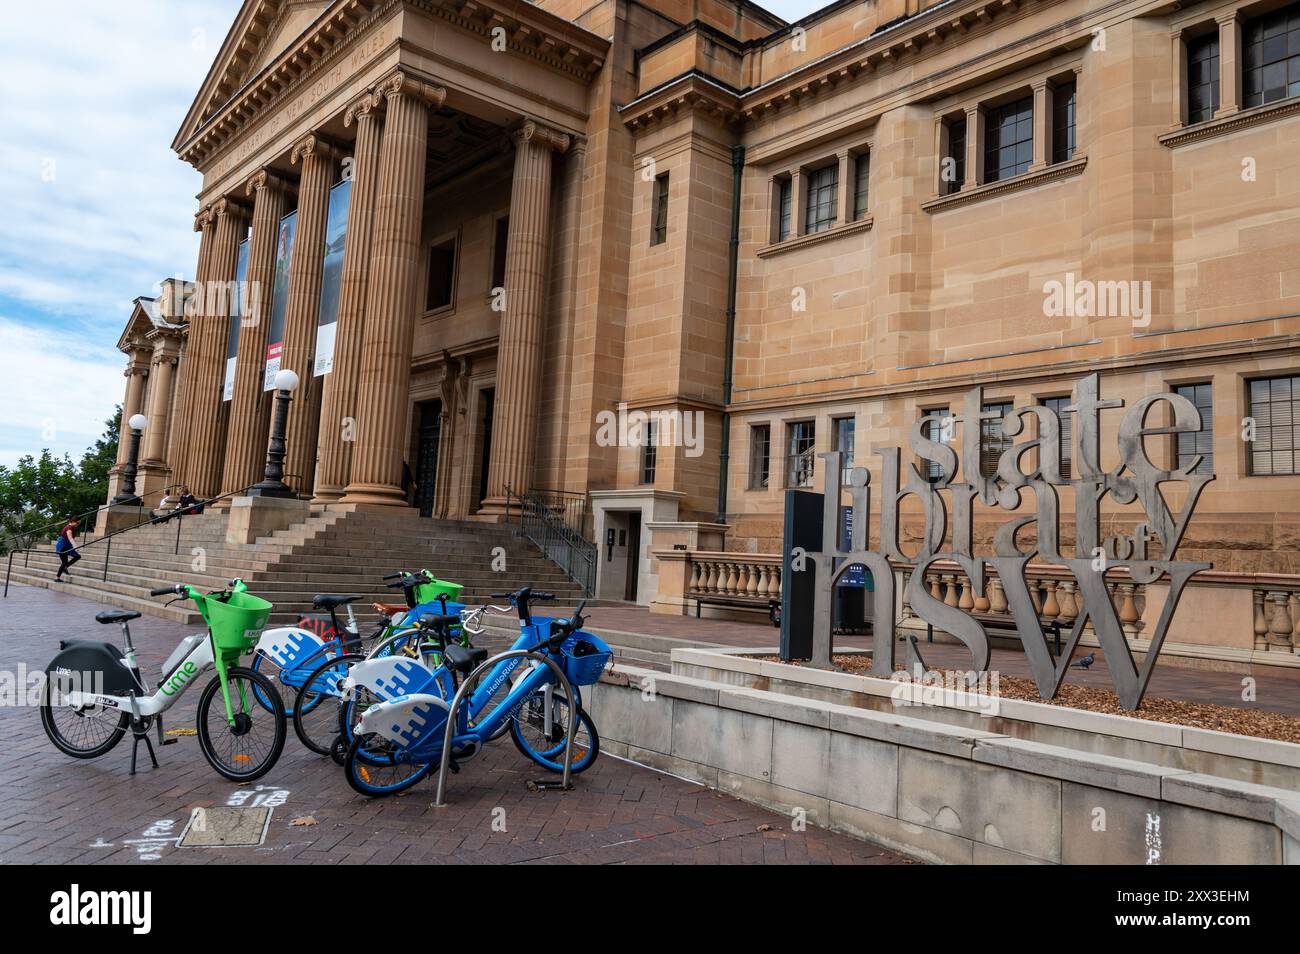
{"type": "Point", "coordinates": [66, 547]}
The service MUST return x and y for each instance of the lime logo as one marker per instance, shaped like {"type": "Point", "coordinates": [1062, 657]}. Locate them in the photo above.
{"type": "Point", "coordinates": [179, 679]}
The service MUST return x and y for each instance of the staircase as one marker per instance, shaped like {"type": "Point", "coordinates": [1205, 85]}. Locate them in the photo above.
{"type": "Point", "coordinates": [330, 552]}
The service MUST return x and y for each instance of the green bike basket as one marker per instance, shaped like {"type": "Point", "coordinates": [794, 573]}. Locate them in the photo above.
{"type": "Point", "coordinates": [428, 592]}
{"type": "Point", "coordinates": [237, 622]}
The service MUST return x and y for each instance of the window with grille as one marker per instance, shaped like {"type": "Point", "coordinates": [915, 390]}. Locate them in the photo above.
{"type": "Point", "coordinates": [955, 166]}
{"type": "Point", "coordinates": [659, 211]}
{"type": "Point", "coordinates": [1009, 140]}
{"type": "Point", "coordinates": [802, 455]}
{"type": "Point", "coordinates": [785, 200]}
{"type": "Point", "coordinates": [861, 179]}
{"type": "Point", "coordinates": [1064, 96]}
{"type": "Point", "coordinates": [1202, 77]}
{"type": "Point", "coordinates": [649, 451]}
{"type": "Point", "coordinates": [992, 441]}
{"type": "Point", "coordinates": [844, 427]}
{"type": "Point", "coordinates": [821, 199]}
{"type": "Point", "coordinates": [935, 431]}
{"type": "Point", "coordinates": [1271, 56]}
{"type": "Point", "coordinates": [1202, 442]}
{"type": "Point", "coordinates": [1275, 408]}
{"type": "Point", "coordinates": [1059, 404]}
{"type": "Point", "coordinates": [760, 456]}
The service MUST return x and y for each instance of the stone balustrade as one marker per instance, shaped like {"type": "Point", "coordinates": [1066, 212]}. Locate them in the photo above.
{"type": "Point", "coordinates": [740, 576]}
{"type": "Point", "coordinates": [1277, 617]}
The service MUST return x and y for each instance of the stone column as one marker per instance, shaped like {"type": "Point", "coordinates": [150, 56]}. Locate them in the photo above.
{"type": "Point", "coordinates": [1229, 64]}
{"type": "Point", "coordinates": [383, 389]}
{"type": "Point", "coordinates": [205, 224]}
{"type": "Point", "coordinates": [132, 401]}
{"type": "Point", "coordinates": [519, 348]}
{"type": "Point", "coordinates": [974, 147]}
{"type": "Point", "coordinates": [303, 308]}
{"type": "Point", "coordinates": [249, 404]}
{"type": "Point", "coordinates": [339, 397]}
{"type": "Point", "coordinates": [1042, 127]}
{"type": "Point", "coordinates": [207, 352]}
{"type": "Point", "coordinates": [154, 469]}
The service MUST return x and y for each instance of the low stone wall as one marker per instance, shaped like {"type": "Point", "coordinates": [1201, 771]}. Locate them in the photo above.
{"type": "Point", "coordinates": [937, 792]}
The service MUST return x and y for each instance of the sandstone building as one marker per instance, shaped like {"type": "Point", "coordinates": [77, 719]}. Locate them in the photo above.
{"type": "Point", "coordinates": [473, 227]}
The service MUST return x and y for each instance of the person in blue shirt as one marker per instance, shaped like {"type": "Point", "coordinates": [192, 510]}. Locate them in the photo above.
{"type": "Point", "coordinates": [66, 548]}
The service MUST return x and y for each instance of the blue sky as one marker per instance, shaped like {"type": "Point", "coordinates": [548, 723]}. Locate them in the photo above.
{"type": "Point", "coordinates": [97, 208]}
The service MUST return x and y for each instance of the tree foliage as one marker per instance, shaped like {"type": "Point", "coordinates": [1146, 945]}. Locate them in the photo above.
{"type": "Point", "coordinates": [39, 491]}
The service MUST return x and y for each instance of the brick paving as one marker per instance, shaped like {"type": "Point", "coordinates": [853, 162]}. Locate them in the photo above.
{"type": "Point", "coordinates": [60, 810]}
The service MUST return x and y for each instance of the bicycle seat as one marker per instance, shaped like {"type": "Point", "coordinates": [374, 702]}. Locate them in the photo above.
{"type": "Point", "coordinates": [328, 601]}
{"type": "Point", "coordinates": [463, 658]}
{"type": "Point", "coordinates": [388, 609]}
{"type": "Point", "coordinates": [115, 616]}
{"type": "Point", "coordinates": [437, 621]}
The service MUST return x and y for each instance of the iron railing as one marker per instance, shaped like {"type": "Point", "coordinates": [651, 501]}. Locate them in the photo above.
{"type": "Point", "coordinates": [554, 522]}
{"type": "Point", "coordinates": [152, 519]}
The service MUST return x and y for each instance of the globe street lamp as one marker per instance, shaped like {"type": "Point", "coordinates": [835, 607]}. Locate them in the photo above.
{"type": "Point", "coordinates": [273, 484]}
{"type": "Point", "coordinates": [127, 496]}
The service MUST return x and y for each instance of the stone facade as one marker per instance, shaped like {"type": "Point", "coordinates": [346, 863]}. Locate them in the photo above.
{"type": "Point", "coordinates": [546, 191]}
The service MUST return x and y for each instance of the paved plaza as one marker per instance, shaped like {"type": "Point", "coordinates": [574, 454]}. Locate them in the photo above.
{"type": "Point", "coordinates": [60, 810]}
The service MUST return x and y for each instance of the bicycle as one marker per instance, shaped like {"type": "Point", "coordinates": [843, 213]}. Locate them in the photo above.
{"type": "Point", "coordinates": [399, 741]}
{"type": "Point", "coordinates": [104, 692]}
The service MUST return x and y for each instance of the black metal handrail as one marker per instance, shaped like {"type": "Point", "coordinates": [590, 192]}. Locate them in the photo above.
{"type": "Point", "coordinates": [27, 536]}
{"type": "Point", "coordinates": [548, 522]}
{"type": "Point", "coordinates": [179, 515]}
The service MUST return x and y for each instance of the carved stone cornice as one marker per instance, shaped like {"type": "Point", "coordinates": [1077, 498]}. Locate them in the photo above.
{"type": "Point", "coordinates": [264, 179]}
{"type": "Point", "coordinates": [692, 93]}
{"type": "Point", "coordinates": [531, 131]}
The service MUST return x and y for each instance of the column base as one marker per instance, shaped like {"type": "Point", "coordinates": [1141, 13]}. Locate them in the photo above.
{"type": "Point", "coordinates": [253, 517]}
{"type": "Point", "coordinates": [493, 510]}
{"type": "Point", "coordinates": [328, 495]}
{"type": "Point", "coordinates": [153, 478]}
{"type": "Point", "coordinates": [120, 517]}
{"type": "Point", "coordinates": [383, 494]}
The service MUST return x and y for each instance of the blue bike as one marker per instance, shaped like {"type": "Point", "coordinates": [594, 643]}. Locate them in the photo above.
{"type": "Point", "coordinates": [398, 740]}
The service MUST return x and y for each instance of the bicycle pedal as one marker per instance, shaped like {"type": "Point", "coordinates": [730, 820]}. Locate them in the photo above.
{"type": "Point", "coordinates": [170, 741]}
{"type": "Point", "coordinates": [454, 766]}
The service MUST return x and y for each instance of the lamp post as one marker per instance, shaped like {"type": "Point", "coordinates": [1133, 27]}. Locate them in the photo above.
{"type": "Point", "coordinates": [273, 484]}
{"type": "Point", "coordinates": [127, 495]}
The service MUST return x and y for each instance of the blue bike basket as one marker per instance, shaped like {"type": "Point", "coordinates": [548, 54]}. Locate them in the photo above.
{"type": "Point", "coordinates": [586, 669]}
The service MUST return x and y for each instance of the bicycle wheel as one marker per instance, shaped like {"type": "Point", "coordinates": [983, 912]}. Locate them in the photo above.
{"type": "Point", "coordinates": [285, 680]}
{"type": "Point", "coordinates": [316, 707]}
{"type": "Point", "coordinates": [546, 747]}
{"type": "Point", "coordinates": [374, 767]}
{"type": "Point", "coordinates": [83, 732]}
{"type": "Point", "coordinates": [248, 749]}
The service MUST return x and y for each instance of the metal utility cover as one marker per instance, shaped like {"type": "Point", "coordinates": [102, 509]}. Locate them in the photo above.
{"type": "Point", "coordinates": [226, 828]}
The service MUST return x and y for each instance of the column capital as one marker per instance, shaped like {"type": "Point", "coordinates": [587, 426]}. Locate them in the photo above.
{"type": "Point", "coordinates": [1231, 16]}
{"type": "Point", "coordinates": [313, 144]}
{"type": "Point", "coordinates": [203, 218]}
{"type": "Point", "coordinates": [402, 83]}
{"type": "Point", "coordinates": [265, 179]}
{"type": "Point", "coordinates": [364, 106]}
{"type": "Point", "coordinates": [529, 130]}
{"type": "Point", "coordinates": [229, 205]}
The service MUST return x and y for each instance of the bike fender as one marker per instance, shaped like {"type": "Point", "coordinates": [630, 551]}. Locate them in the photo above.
{"type": "Point", "coordinates": [288, 646]}
{"type": "Point", "coordinates": [406, 720]}
{"type": "Point", "coordinates": [390, 676]}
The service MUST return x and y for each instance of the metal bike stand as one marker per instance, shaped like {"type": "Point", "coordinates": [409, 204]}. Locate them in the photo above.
{"type": "Point", "coordinates": [438, 800]}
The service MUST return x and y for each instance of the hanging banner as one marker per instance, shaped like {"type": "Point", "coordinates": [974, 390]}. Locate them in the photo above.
{"type": "Point", "coordinates": [279, 298]}
{"type": "Point", "coordinates": [236, 316]}
{"type": "Point", "coordinates": [336, 230]}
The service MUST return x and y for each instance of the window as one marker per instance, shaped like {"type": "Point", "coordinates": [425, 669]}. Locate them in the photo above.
{"type": "Point", "coordinates": [649, 451]}
{"type": "Point", "coordinates": [1059, 404]}
{"type": "Point", "coordinates": [821, 199]}
{"type": "Point", "coordinates": [861, 179]}
{"type": "Point", "coordinates": [954, 172]}
{"type": "Point", "coordinates": [1271, 52]}
{"type": "Point", "coordinates": [799, 465]}
{"type": "Point", "coordinates": [1009, 140]}
{"type": "Point", "coordinates": [992, 441]}
{"type": "Point", "coordinates": [934, 430]}
{"type": "Point", "coordinates": [499, 243]}
{"type": "Point", "coordinates": [1063, 106]}
{"type": "Point", "coordinates": [659, 211]}
{"type": "Point", "coordinates": [844, 427]}
{"type": "Point", "coordinates": [784, 201]}
{"type": "Point", "coordinates": [1202, 77]}
{"type": "Point", "coordinates": [1275, 408]}
{"type": "Point", "coordinates": [1202, 442]}
{"type": "Point", "coordinates": [442, 275]}
{"type": "Point", "coordinates": [760, 456]}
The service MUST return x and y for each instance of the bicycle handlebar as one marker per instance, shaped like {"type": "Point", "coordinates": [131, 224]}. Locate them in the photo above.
{"type": "Point", "coordinates": [177, 588]}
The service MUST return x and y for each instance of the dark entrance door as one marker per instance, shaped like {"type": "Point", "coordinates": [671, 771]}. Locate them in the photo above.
{"type": "Point", "coordinates": [489, 399]}
{"type": "Point", "coordinates": [426, 456]}
{"type": "Point", "coordinates": [633, 556]}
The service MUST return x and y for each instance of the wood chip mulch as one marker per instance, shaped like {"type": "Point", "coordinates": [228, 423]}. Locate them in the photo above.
{"type": "Point", "coordinates": [1201, 715]}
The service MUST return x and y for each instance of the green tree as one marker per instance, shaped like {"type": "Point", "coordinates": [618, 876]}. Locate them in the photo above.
{"type": "Point", "coordinates": [40, 491]}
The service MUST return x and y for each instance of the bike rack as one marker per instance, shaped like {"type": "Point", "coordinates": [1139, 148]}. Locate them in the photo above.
{"type": "Point", "coordinates": [439, 801]}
